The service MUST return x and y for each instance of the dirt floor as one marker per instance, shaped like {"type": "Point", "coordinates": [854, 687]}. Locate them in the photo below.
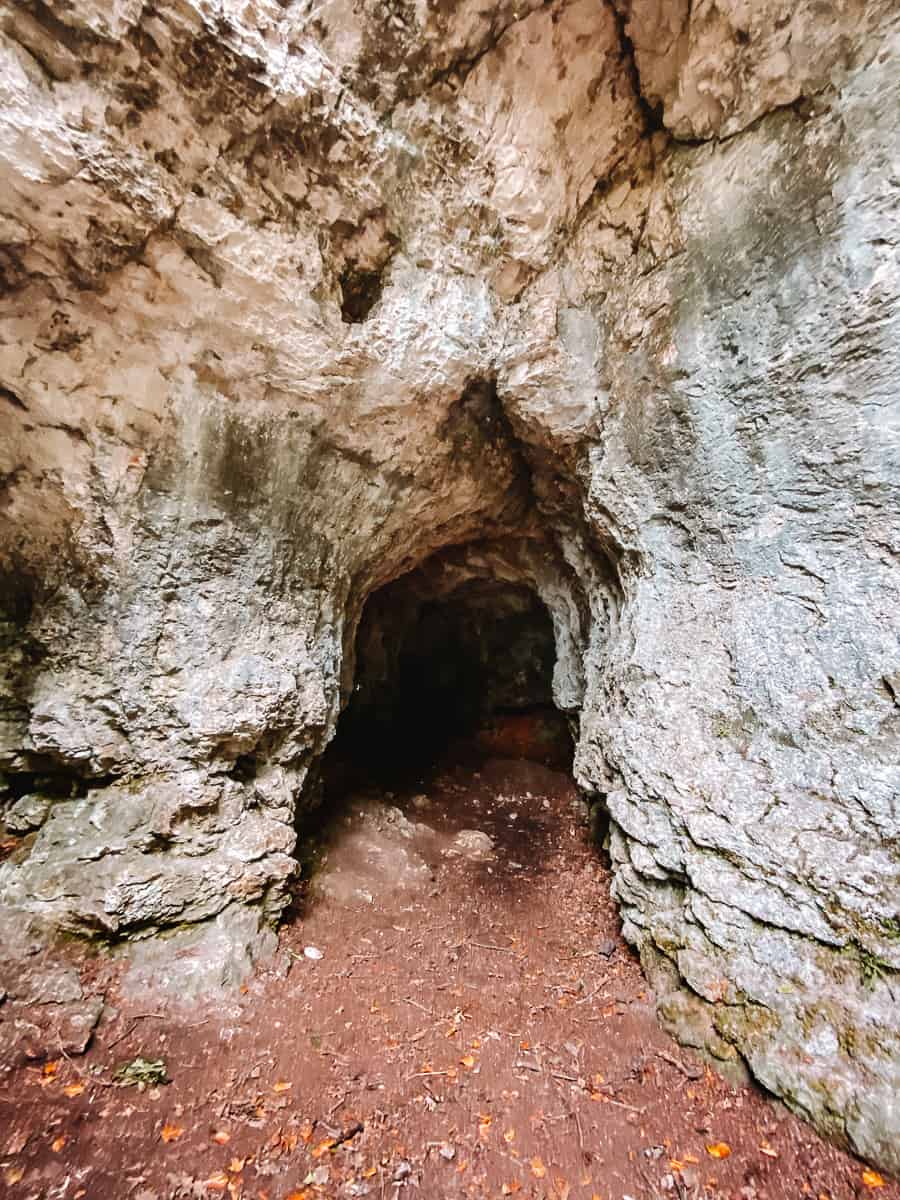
{"type": "Point", "coordinates": [474, 1027]}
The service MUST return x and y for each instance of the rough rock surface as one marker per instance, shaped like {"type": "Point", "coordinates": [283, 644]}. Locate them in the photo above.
{"type": "Point", "coordinates": [295, 297]}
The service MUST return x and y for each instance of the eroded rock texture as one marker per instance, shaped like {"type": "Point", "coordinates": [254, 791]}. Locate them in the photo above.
{"type": "Point", "coordinates": [606, 293]}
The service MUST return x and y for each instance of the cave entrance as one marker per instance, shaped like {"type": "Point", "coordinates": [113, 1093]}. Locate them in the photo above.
{"type": "Point", "coordinates": [450, 755]}
{"type": "Point", "coordinates": [467, 667]}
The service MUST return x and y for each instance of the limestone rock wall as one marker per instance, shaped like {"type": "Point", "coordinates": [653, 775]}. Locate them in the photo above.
{"type": "Point", "coordinates": [295, 296]}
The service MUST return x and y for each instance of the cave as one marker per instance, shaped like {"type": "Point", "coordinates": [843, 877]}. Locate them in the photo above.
{"type": "Point", "coordinates": [435, 668]}
{"type": "Point", "coordinates": [392, 392]}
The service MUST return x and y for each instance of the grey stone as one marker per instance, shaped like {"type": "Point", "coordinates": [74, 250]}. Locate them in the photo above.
{"type": "Point", "coordinates": [472, 844]}
{"type": "Point", "coordinates": [29, 812]}
{"type": "Point", "coordinates": [649, 374]}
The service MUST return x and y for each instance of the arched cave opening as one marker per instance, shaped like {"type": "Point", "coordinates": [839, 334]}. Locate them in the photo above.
{"type": "Point", "coordinates": [450, 748]}
{"type": "Point", "coordinates": [468, 666]}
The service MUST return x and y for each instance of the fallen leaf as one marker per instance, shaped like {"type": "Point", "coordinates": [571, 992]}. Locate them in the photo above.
{"type": "Point", "coordinates": [13, 1175]}
{"type": "Point", "coordinates": [872, 1179]}
{"type": "Point", "coordinates": [509, 1188]}
{"type": "Point", "coordinates": [217, 1182]}
{"type": "Point", "coordinates": [171, 1133]}
{"type": "Point", "coordinates": [538, 1169]}
{"type": "Point", "coordinates": [141, 1073]}
{"type": "Point", "coordinates": [236, 1166]}
{"type": "Point", "coordinates": [222, 1137]}
{"type": "Point", "coordinates": [49, 1069]}
{"type": "Point", "coordinates": [58, 1144]}
{"type": "Point", "coordinates": [451, 1032]}
{"type": "Point", "coordinates": [322, 1147]}
{"type": "Point", "coordinates": [468, 1061]}
{"type": "Point", "coordinates": [768, 1151]}
{"type": "Point", "coordinates": [369, 1172]}
{"type": "Point", "coordinates": [718, 1150]}
{"type": "Point", "coordinates": [509, 1136]}
{"type": "Point", "coordinates": [74, 1089]}
{"type": "Point", "coordinates": [676, 1165]}
{"type": "Point", "coordinates": [281, 1085]}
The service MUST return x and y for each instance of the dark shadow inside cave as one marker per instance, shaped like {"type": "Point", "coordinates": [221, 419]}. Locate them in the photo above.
{"type": "Point", "coordinates": [469, 667]}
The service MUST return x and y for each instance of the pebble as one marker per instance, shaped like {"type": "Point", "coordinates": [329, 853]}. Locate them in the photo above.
{"type": "Point", "coordinates": [312, 952]}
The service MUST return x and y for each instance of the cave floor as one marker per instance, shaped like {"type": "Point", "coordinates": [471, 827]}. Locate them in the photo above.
{"type": "Point", "coordinates": [481, 1031]}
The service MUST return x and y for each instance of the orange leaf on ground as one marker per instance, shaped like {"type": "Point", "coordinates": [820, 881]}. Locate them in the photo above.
{"type": "Point", "coordinates": [57, 1145]}
{"type": "Point", "coordinates": [282, 1085]}
{"type": "Point", "coordinates": [767, 1150]}
{"type": "Point", "coordinates": [171, 1133]}
{"type": "Point", "coordinates": [369, 1172]}
{"type": "Point", "coordinates": [718, 1150]}
{"type": "Point", "coordinates": [49, 1069]}
{"type": "Point", "coordinates": [872, 1179]}
{"type": "Point", "coordinates": [468, 1061]}
{"type": "Point", "coordinates": [537, 1168]}
{"type": "Point", "coordinates": [217, 1182]}
{"type": "Point", "coordinates": [304, 1195]}
{"type": "Point", "coordinates": [74, 1089]}
{"type": "Point", "coordinates": [509, 1188]}
{"type": "Point", "coordinates": [236, 1166]}
{"type": "Point", "coordinates": [13, 1175]}
{"type": "Point", "coordinates": [322, 1148]}
{"type": "Point", "coordinates": [509, 1136]}
{"type": "Point", "coordinates": [222, 1137]}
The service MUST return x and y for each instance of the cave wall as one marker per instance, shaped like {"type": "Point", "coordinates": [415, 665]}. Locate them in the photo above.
{"type": "Point", "coordinates": [293, 299]}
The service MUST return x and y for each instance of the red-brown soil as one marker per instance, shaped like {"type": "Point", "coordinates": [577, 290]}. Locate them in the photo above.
{"type": "Point", "coordinates": [488, 1035]}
